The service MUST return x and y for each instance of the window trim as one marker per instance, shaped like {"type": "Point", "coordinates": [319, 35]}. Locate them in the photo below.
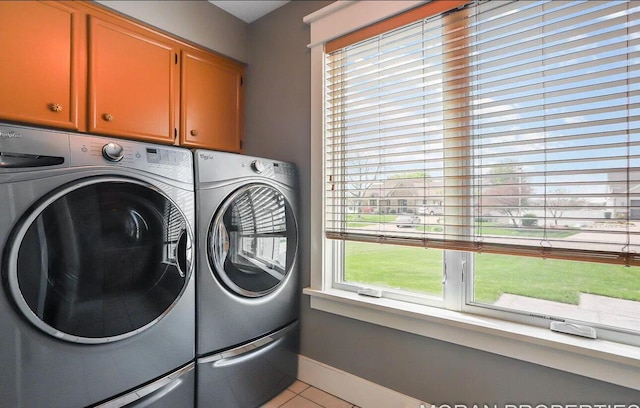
{"type": "Point", "coordinates": [599, 359]}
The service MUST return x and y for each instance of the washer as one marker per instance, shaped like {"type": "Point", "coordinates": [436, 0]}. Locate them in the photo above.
{"type": "Point", "coordinates": [98, 298]}
{"type": "Point", "coordinates": [247, 298]}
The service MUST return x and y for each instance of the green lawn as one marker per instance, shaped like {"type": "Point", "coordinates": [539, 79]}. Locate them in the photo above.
{"type": "Point", "coordinates": [551, 279]}
{"type": "Point", "coordinates": [363, 220]}
{"type": "Point", "coordinates": [526, 232]}
{"type": "Point", "coordinates": [414, 269]}
{"type": "Point", "coordinates": [420, 270]}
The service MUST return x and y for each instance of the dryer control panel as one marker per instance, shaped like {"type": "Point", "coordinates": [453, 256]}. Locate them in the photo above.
{"type": "Point", "coordinates": [215, 167]}
{"type": "Point", "coordinates": [258, 166]}
{"type": "Point", "coordinates": [288, 169]}
{"type": "Point", "coordinates": [262, 166]}
{"type": "Point", "coordinates": [276, 170]}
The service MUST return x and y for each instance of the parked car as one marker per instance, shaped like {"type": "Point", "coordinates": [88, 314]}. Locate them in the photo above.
{"type": "Point", "coordinates": [407, 220]}
{"type": "Point", "coordinates": [429, 211]}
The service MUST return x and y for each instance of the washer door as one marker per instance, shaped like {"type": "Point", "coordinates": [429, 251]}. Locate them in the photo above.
{"type": "Point", "coordinates": [99, 260]}
{"type": "Point", "coordinates": [252, 241]}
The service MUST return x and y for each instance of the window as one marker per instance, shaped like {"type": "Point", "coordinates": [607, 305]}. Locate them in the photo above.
{"type": "Point", "coordinates": [500, 141]}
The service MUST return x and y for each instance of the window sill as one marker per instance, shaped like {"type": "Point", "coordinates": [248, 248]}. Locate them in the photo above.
{"type": "Point", "coordinates": [599, 359]}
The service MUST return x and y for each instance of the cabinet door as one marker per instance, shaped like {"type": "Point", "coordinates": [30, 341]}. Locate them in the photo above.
{"type": "Point", "coordinates": [212, 103]}
{"type": "Point", "coordinates": [39, 76]}
{"type": "Point", "coordinates": [132, 76]}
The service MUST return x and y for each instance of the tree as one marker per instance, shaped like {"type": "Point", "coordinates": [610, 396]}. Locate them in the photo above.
{"type": "Point", "coordinates": [414, 175]}
{"type": "Point", "coordinates": [359, 180]}
{"type": "Point", "coordinates": [561, 202]}
{"type": "Point", "coordinates": [507, 191]}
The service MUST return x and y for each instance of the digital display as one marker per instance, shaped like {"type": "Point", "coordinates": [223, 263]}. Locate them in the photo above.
{"type": "Point", "coordinates": [153, 156]}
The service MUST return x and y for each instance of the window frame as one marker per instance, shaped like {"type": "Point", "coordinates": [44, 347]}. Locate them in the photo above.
{"type": "Point", "coordinates": [456, 322]}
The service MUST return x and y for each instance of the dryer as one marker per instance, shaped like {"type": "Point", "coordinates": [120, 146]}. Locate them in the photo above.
{"type": "Point", "coordinates": [247, 297]}
{"type": "Point", "coordinates": [98, 298]}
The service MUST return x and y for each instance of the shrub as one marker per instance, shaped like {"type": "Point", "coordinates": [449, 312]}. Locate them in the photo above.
{"type": "Point", "coordinates": [529, 220]}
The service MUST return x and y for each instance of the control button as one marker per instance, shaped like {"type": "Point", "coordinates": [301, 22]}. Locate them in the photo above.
{"type": "Point", "coordinates": [113, 152]}
{"type": "Point", "coordinates": [84, 149]}
{"type": "Point", "coordinates": [257, 166]}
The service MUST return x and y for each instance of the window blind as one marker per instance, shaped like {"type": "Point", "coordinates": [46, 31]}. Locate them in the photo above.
{"type": "Point", "coordinates": [504, 127]}
{"type": "Point", "coordinates": [429, 9]}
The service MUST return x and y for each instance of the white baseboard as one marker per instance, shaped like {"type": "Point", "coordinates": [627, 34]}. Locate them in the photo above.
{"type": "Point", "coordinates": [354, 389]}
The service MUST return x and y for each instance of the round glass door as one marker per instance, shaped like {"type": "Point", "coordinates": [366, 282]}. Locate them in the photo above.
{"type": "Point", "coordinates": [253, 240]}
{"type": "Point", "coordinates": [100, 260]}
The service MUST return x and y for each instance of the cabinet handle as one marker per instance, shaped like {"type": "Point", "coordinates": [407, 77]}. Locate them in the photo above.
{"type": "Point", "coordinates": [55, 107]}
{"type": "Point", "coordinates": [194, 132]}
{"type": "Point", "coordinates": [108, 117]}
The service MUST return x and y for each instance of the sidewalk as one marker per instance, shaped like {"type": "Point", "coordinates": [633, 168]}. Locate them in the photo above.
{"type": "Point", "coordinates": [592, 308]}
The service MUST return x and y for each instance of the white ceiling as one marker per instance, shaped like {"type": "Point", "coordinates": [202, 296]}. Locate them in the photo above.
{"type": "Point", "coordinates": [247, 10]}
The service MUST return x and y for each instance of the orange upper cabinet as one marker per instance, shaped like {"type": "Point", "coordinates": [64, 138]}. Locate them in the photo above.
{"type": "Point", "coordinates": [212, 105]}
{"type": "Point", "coordinates": [41, 71]}
{"type": "Point", "coordinates": [132, 82]}
{"type": "Point", "coordinates": [76, 65]}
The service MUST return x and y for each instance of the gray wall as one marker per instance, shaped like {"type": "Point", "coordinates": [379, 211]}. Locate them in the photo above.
{"type": "Point", "coordinates": [277, 125]}
{"type": "Point", "coordinates": [195, 20]}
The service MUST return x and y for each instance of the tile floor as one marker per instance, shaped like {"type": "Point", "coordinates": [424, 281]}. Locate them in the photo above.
{"type": "Point", "coordinates": [302, 395]}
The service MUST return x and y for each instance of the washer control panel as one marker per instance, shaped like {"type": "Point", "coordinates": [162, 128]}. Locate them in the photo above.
{"type": "Point", "coordinates": [24, 149]}
{"type": "Point", "coordinates": [113, 152]}
{"type": "Point", "coordinates": [167, 161]}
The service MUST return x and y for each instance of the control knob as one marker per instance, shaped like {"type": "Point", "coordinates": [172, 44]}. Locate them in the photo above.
{"type": "Point", "coordinates": [113, 152]}
{"type": "Point", "coordinates": [258, 166]}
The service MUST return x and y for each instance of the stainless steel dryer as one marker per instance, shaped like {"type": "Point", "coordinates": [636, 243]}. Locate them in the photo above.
{"type": "Point", "coordinates": [98, 298]}
{"type": "Point", "coordinates": [247, 296]}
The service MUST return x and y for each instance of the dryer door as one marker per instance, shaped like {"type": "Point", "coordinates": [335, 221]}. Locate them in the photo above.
{"type": "Point", "coordinates": [252, 241]}
{"type": "Point", "coordinates": [99, 260]}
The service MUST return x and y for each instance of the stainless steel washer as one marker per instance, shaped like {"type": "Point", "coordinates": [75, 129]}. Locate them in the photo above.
{"type": "Point", "coordinates": [96, 254]}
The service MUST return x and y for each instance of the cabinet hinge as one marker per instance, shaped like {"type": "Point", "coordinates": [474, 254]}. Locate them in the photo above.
{"type": "Point", "coordinates": [241, 145]}
{"type": "Point", "coordinates": [175, 133]}
{"type": "Point", "coordinates": [176, 58]}
{"type": "Point", "coordinates": [241, 81]}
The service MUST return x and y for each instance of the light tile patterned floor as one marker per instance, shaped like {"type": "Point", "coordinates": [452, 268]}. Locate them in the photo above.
{"type": "Point", "coordinates": [302, 395]}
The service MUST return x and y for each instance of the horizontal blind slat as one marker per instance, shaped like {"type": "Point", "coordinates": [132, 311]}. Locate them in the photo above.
{"type": "Point", "coordinates": [526, 108]}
